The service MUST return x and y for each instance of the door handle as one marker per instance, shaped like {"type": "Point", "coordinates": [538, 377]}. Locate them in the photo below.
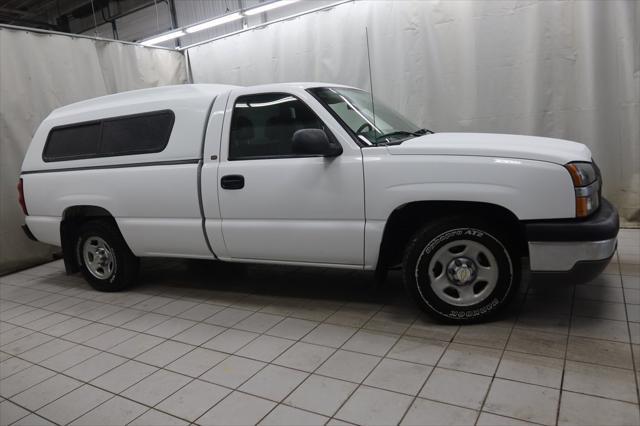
{"type": "Point", "coordinates": [232, 182]}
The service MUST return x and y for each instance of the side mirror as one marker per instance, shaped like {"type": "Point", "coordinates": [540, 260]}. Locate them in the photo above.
{"type": "Point", "coordinates": [314, 142]}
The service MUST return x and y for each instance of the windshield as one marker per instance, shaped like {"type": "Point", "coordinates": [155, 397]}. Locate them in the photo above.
{"type": "Point", "coordinates": [355, 110]}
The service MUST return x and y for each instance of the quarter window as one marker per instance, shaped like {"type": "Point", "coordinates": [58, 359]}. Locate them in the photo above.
{"type": "Point", "coordinates": [263, 125]}
{"type": "Point", "coordinates": [136, 135]}
{"type": "Point", "coordinates": [127, 135]}
{"type": "Point", "coordinates": [73, 142]}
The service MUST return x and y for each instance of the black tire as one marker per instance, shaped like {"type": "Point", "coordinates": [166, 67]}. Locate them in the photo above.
{"type": "Point", "coordinates": [125, 264]}
{"type": "Point", "coordinates": [438, 240]}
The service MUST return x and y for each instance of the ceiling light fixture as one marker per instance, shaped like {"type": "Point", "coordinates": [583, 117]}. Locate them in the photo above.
{"type": "Point", "coordinates": [269, 6]}
{"type": "Point", "coordinates": [164, 37]}
{"type": "Point", "coordinates": [214, 22]}
{"type": "Point", "coordinates": [217, 21]}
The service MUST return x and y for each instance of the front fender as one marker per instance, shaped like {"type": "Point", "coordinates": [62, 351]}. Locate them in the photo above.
{"type": "Point", "coordinates": [527, 188]}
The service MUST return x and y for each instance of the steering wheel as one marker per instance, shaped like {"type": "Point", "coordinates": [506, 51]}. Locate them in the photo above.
{"type": "Point", "coordinates": [364, 126]}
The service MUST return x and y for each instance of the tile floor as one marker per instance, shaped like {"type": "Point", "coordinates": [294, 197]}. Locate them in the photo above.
{"type": "Point", "coordinates": [196, 343]}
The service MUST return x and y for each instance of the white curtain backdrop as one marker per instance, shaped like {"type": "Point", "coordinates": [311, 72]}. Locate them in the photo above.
{"type": "Point", "coordinates": [40, 72]}
{"type": "Point", "coordinates": [565, 69]}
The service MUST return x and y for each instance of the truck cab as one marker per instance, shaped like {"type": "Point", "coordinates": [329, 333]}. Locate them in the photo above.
{"type": "Point", "coordinates": [312, 174]}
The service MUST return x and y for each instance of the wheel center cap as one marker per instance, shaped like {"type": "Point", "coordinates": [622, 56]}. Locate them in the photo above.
{"type": "Point", "coordinates": [462, 270]}
{"type": "Point", "coordinates": [103, 256]}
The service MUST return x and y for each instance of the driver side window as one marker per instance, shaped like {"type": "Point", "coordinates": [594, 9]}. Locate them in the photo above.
{"type": "Point", "coordinates": [262, 125]}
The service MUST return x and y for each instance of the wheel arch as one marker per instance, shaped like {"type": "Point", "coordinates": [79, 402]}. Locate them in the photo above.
{"type": "Point", "coordinates": [406, 219]}
{"type": "Point", "coordinates": [72, 218]}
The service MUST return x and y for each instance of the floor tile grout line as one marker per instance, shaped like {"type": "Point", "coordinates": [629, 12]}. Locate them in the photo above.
{"type": "Point", "coordinates": [196, 346]}
{"type": "Point", "coordinates": [161, 368]}
{"type": "Point", "coordinates": [144, 331]}
{"type": "Point", "coordinates": [248, 295]}
{"type": "Point", "coordinates": [262, 397]}
{"type": "Point", "coordinates": [107, 390]}
{"type": "Point", "coordinates": [157, 292]}
{"type": "Point", "coordinates": [119, 327]}
{"type": "Point", "coordinates": [309, 374]}
{"type": "Point", "coordinates": [254, 311]}
{"type": "Point", "coordinates": [132, 306]}
{"type": "Point", "coordinates": [128, 358]}
{"type": "Point", "coordinates": [168, 319]}
{"type": "Point", "coordinates": [49, 275]}
{"type": "Point", "coordinates": [173, 415]}
{"type": "Point", "coordinates": [213, 366]}
{"type": "Point", "coordinates": [506, 343]}
{"type": "Point", "coordinates": [122, 307]}
{"type": "Point", "coordinates": [100, 352]}
{"type": "Point", "coordinates": [332, 416]}
{"type": "Point", "coordinates": [88, 383]}
{"type": "Point", "coordinates": [633, 360]}
{"type": "Point", "coordinates": [302, 371]}
{"type": "Point", "coordinates": [358, 329]}
{"type": "Point", "coordinates": [193, 379]}
{"type": "Point", "coordinates": [564, 361]}
{"type": "Point", "coordinates": [146, 312]}
{"type": "Point", "coordinates": [82, 383]}
{"type": "Point", "coordinates": [171, 338]}
{"type": "Point", "coordinates": [266, 364]}
{"type": "Point", "coordinates": [30, 412]}
{"type": "Point", "coordinates": [429, 375]}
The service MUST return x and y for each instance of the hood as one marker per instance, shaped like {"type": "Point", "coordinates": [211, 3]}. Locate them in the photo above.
{"type": "Point", "coordinates": [494, 145]}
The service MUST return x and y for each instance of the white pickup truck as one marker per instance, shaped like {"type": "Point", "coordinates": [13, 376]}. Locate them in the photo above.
{"type": "Point", "coordinates": [311, 174]}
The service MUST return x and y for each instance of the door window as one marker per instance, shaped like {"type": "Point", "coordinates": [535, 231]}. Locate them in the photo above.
{"type": "Point", "coordinates": [262, 125]}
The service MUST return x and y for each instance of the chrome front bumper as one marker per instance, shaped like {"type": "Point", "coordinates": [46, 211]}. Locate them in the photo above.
{"type": "Point", "coordinates": [561, 256]}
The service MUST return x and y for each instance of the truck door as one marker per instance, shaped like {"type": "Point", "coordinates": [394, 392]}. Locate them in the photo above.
{"type": "Point", "coordinates": [282, 207]}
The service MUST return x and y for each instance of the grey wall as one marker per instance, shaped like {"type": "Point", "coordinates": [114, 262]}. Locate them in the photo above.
{"type": "Point", "coordinates": [40, 72]}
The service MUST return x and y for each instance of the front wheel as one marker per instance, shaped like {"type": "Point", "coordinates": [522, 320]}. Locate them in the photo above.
{"type": "Point", "coordinates": [106, 261]}
{"type": "Point", "coordinates": [461, 269]}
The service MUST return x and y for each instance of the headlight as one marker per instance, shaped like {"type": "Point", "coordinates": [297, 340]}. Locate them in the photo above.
{"type": "Point", "coordinates": [586, 181]}
{"type": "Point", "coordinates": [582, 174]}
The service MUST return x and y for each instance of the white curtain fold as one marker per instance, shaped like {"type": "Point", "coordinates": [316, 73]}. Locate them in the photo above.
{"type": "Point", "coordinates": [566, 69]}
{"type": "Point", "coordinates": [40, 72]}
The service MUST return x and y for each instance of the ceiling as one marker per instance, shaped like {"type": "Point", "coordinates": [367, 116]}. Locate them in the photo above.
{"type": "Point", "coordinates": [73, 16]}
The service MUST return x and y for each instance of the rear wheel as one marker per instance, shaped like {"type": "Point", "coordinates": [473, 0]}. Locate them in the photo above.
{"type": "Point", "coordinates": [106, 261]}
{"type": "Point", "coordinates": [461, 269]}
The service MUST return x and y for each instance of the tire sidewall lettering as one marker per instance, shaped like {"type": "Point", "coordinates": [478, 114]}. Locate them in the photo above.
{"type": "Point", "coordinates": [494, 301]}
